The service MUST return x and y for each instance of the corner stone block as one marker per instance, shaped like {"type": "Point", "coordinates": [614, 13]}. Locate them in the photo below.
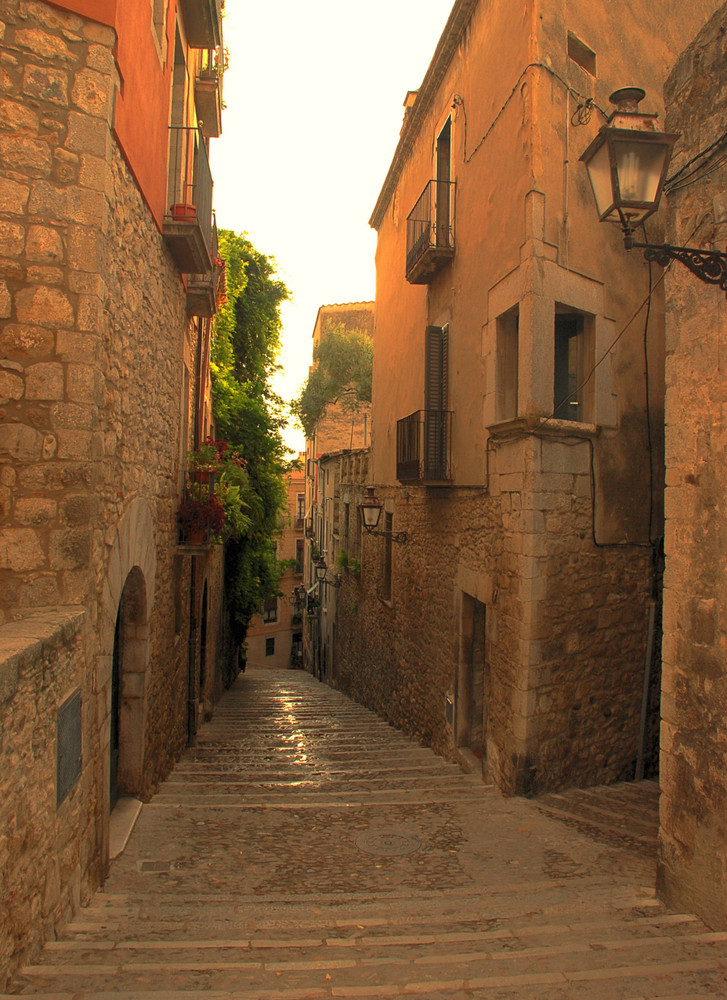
{"type": "Point", "coordinates": [84, 248]}
{"type": "Point", "coordinates": [46, 84]}
{"type": "Point", "coordinates": [20, 442]}
{"type": "Point", "coordinates": [20, 550]}
{"type": "Point", "coordinates": [87, 134]}
{"type": "Point", "coordinates": [92, 92]}
{"type": "Point", "coordinates": [75, 445]}
{"type": "Point", "coordinates": [84, 384]}
{"type": "Point", "coordinates": [44, 307]}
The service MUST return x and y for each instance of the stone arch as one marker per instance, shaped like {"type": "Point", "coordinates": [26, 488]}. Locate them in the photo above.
{"type": "Point", "coordinates": [131, 573]}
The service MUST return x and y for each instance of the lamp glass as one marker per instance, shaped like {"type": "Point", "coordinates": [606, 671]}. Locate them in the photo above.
{"type": "Point", "coordinates": [370, 514]}
{"type": "Point", "coordinates": [599, 173]}
{"type": "Point", "coordinates": [640, 167]}
{"type": "Point", "coordinates": [321, 567]}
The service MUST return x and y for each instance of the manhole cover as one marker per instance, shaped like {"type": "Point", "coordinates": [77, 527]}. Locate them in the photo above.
{"type": "Point", "coordinates": [387, 843]}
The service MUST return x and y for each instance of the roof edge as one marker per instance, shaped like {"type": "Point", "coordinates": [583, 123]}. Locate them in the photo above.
{"type": "Point", "coordinates": [458, 20]}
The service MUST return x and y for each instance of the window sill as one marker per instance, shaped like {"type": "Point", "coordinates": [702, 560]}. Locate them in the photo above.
{"type": "Point", "coordinates": [522, 426]}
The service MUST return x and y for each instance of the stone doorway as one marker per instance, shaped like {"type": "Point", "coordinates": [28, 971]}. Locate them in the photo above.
{"type": "Point", "coordinates": [128, 690]}
{"type": "Point", "coordinates": [471, 704]}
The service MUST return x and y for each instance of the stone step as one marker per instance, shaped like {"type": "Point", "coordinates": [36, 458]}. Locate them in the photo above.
{"type": "Point", "coordinates": [570, 962]}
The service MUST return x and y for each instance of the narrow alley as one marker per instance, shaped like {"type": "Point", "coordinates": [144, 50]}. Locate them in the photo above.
{"type": "Point", "coordinates": [305, 849]}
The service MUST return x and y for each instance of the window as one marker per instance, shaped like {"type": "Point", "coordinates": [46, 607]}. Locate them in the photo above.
{"type": "Point", "coordinates": [298, 570]}
{"type": "Point", "coordinates": [579, 52]}
{"type": "Point", "coordinates": [388, 526]}
{"type": "Point", "coordinates": [270, 646]}
{"type": "Point", "coordinates": [300, 510]}
{"type": "Point", "coordinates": [270, 610]}
{"type": "Point", "coordinates": [507, 365]}
{"type": "Point", "coordinates": [573, 362]}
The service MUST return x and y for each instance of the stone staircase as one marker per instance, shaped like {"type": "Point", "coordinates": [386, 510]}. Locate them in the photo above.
{"type": "Point", "coordinates": [304, 849]}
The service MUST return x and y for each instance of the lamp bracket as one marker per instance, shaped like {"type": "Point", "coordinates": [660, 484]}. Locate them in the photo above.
{"type": "Point", "coordinates": [399, 537]}
{"type": "Point", "coordinates": [709, 266]}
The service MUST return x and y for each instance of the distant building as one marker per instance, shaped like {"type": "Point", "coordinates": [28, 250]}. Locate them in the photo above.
{"type": "Point", "coordinates": [339, 429]}
{"type": "Point", "coordinates": [275, 637]}
{"type": "Point", "coordinates": [112, 644]}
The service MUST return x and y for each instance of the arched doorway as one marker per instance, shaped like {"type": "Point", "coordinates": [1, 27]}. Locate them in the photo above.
{"type": "Point", "coordinates": [128, 690]}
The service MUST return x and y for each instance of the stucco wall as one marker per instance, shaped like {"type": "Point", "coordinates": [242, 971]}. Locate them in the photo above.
{"type": "Point", "coordinates": [693, 853]}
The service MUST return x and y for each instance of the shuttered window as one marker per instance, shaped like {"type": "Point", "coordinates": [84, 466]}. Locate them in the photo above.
{"type": "Point", "coordinates": [436, 395]}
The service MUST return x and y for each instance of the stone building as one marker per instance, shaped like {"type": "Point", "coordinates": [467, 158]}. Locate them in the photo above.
{"type": "Point", "coordinates": [517, 407]}
{"type": "Point", "coordinates": [111, 638]}
{"type": "Point", "coordinates": [275, 637]}
{"type": "Point", "coordinates": [339, 429]}
{"type": "Point", "coordinates": [693, 851]}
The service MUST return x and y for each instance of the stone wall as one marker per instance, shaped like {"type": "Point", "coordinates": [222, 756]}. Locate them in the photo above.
{"type": "Point", "coordinates": [97, 400]}
{"type": "Point", "coordinates": [693, 839]}
{"type": "Point", "coordinates": [565, 621]}
{"type": "Point", "coordinates": [48, 855]}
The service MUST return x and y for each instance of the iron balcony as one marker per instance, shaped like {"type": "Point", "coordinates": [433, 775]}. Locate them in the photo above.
{"type": "Point", "coordinates": [430, 232]}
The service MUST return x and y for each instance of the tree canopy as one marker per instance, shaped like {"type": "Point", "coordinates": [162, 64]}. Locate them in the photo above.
{"type": "Point", "coordinates": [342, 371]}
{"type": "Point", "coordinates": [250, 416]}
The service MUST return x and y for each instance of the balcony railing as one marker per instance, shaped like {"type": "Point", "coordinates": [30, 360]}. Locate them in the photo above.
{"type": "Point", "coordinates": [205, 292]}
{"type": "Point", "coordinates": [202, 22]}
{"type": "Point", "coordinates": [208, 91]}
{"type": "Point", "coordinates": [424, 447]}
{"type": "Point", "coordinates": [188, 222]}
{"type": "Point", "coordinates": [430, 232]}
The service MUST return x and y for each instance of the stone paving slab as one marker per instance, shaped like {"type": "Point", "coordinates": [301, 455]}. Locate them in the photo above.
{"type": "Point", "coordinates": [305, 849]}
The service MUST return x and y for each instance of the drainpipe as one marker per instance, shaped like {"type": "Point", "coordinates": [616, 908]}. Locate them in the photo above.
{"type": "Point", "coordinates": [639, 773]}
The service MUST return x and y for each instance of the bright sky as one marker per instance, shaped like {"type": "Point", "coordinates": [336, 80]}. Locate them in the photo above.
{"type": "Point", "coordinates": [314, 95]}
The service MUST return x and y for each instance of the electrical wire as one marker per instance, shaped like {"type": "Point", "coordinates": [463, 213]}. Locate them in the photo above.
{"type": "Point", "coordinates": [720, 141]}
{"type": "Point", "coordinates": [581, 116]}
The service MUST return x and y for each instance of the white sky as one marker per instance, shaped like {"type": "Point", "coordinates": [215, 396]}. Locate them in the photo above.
{"type": "Point", "coordinates": [314, 95]}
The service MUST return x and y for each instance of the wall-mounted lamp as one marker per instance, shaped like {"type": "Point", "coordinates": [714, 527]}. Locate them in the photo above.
{"type": "Point", "coordinates": [321, 568]}
{"type": "Point", "coordinates": [297, 598]}
{"type": "Point", "coordinates": [370, 509]}
{"type": "Point", "coordinates": [627, 164]}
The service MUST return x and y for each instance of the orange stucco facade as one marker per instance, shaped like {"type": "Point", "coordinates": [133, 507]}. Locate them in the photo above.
{"type": "Point", "coordinates": [145, 60]}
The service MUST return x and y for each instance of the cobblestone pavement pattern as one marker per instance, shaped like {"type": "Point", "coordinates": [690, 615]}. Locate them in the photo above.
{"type": "Point", "coordinates": [304, 849]}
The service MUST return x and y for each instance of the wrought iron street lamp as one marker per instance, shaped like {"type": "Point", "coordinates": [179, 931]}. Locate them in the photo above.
{"type": "Point", "coordinates": [297, 598]}
{"type": "Point", "coordinates": [627, 164]}
{"type": "Point", "coordinates": [321, 568]}
{"type": "Point", "coordinates": [370, 510]}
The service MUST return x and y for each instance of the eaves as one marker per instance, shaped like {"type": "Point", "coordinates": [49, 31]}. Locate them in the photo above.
{"type": "Point", "coordinates": [454, 29]}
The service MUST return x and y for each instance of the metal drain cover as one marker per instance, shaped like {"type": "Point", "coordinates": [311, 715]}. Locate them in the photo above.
{"type": "Point", "coordinates": [387, 843]}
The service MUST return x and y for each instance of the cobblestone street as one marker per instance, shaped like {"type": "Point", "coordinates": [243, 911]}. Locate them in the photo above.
{"type": "Point", "coordinates": [305, 849]}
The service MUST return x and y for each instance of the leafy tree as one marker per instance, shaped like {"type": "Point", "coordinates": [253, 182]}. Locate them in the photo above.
{"type": "Point", "coordinates": [343, 362]}
{"type": "Point", "coordinates": [250, 416]}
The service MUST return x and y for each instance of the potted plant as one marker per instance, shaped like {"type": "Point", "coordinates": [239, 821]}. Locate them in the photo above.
{"type": "Point", "coordinates": [201, 516]}
{"type": "Point", "coordinates": [206, 460]}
